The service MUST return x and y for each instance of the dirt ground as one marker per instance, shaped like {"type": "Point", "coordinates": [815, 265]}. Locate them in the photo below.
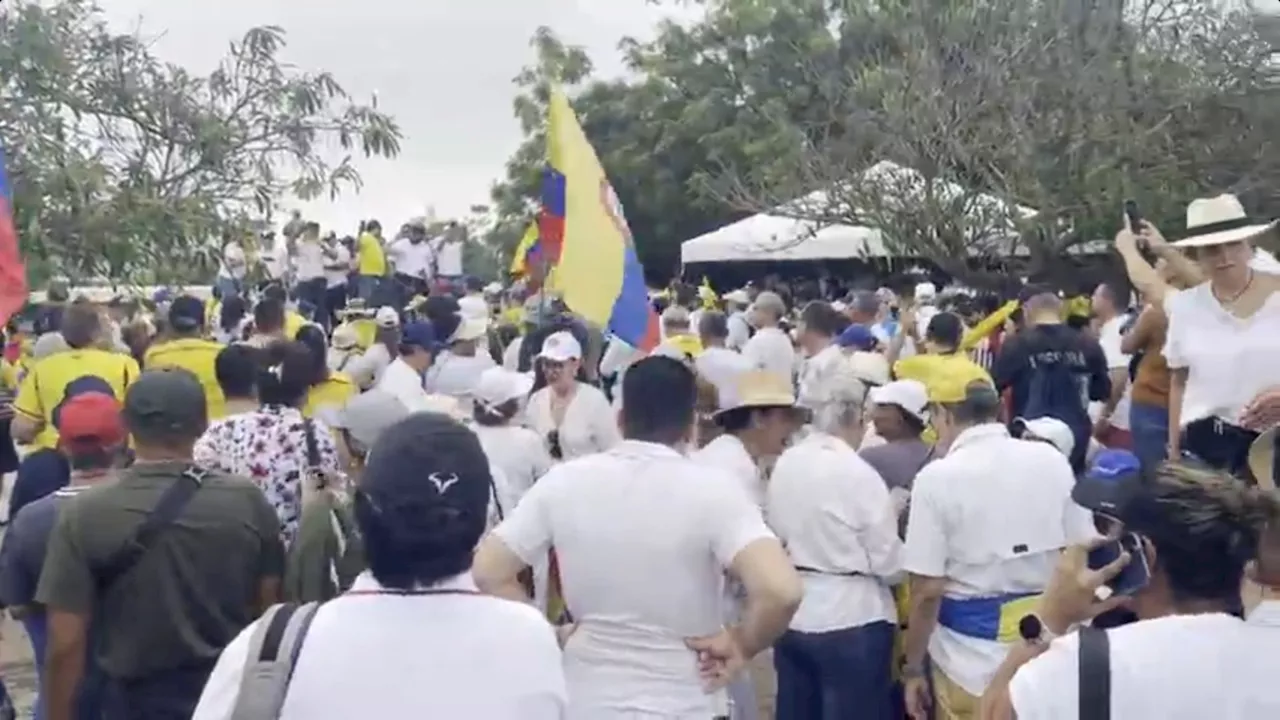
{"type": "Point", "coordinates": [19, 674]}
{"type": "Point", "coordinates": [16, 666]}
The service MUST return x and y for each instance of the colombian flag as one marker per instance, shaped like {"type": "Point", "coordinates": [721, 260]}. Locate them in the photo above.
{"type": "Point", "coordinates": [13, 274]}
{"type": "Point", "coordinates": [527, 252]}
{"type": "Point", "coordinates": [584, 232]}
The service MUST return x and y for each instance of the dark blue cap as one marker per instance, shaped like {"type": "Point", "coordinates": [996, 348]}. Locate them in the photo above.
{"type": "Point", "coordinates": [1110, 483]}
{"type": "Point", "coordinates": [858, 337]}
{"type": "Point", "coordinates": [419, 333]}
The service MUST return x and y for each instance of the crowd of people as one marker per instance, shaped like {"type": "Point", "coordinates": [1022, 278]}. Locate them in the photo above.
{"type": "Point", "coordinates": [420, 496]}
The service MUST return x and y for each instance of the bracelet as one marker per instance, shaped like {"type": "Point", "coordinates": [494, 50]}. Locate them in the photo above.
{"type": "Point", "coordinates": [912, 672]}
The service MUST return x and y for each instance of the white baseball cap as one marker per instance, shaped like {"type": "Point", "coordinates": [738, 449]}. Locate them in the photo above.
{"type": "Point", "coordinates": [470, 328]}
{"type": "Point", "coordinates": [910, 395]}
{"type": "Point", "coordinates": [498, 386]}
{"type": "Point", "coordinates": [1049, 429]}
{"type": "Point", "coordinates": [387, 317]}
{"type": "Point", "coordinates": [561, 347]}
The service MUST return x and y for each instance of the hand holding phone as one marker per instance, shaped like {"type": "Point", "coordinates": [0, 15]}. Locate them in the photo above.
{"type": "Point", "coordinates": [1133, 576]}
{"type": "Point", "coordinates": [1132, 216]}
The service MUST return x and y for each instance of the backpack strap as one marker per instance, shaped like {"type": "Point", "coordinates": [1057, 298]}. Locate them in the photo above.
{"type": "Point", "coordinates": [1095, 674]}
{"type": "Point", "coordinates": [273, 652]}
{"type": "Point", "coordinates": [167, 509]}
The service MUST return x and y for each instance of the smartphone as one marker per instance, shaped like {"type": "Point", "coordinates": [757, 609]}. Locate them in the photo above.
{"type": "Point", "coordinates": [1135, 217]}
{"type": "Point", "coordinates": [1135, 575]}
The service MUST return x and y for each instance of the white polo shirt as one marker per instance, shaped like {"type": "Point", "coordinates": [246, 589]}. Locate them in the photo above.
{"type": "Point", "coordinates": [518, 451]}
{"type": "Point", "coordinates": [404, 382]}
{"type": "Point", "coordinates": [643, 536]}
{"type": "Point", "coordinates": [990, 517]}
{"type": "Point", "coordinates": [727, 453]}
{"type": "Point", "coordinates": [411, 259]}
{"type": "Point", "coordinates": [770, 349]}
{"type": "Point", "coordinates": [1110, 337]}
{"type": "Point", "coordinates": [832, 512]}
{"type": "Point", "coordinates": [308, 264]}
{"type": "Point", "coordinates": [1179, 667]}
{"type": "Point", "coordinates": [401, 656]}
{"type": "Point", "coordinates": [341, 259]}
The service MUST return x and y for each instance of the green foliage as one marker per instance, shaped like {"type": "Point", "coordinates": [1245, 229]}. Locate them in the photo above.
{"type": "Point", "coordinates": [133, 169]}
{"type": "Point", "coordinates": [1065, 107]}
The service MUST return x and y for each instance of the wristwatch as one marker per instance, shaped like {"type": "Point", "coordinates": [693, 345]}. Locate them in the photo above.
{"type": "Point", "coordinates": [911, 671]}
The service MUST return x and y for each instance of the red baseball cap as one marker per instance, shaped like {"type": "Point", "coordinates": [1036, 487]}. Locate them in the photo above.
{"type": "Point", "coordinates": [91, 420]}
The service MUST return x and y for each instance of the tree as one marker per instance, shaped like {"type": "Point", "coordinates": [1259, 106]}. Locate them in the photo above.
{"type": "Point", "coordinates": [1056, 105]}
{"type": "Point", "coordinates": [688, 112]}
{"type": "Point", "coordinates": [129, 168]}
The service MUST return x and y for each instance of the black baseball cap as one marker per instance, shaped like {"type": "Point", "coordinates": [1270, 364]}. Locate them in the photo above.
{"type": "Point", "coordinates": [430, 460]}
{"type": "Point", "coordinates": [166, 401]}
{"type": "Point", "coordinates": [186, 313]}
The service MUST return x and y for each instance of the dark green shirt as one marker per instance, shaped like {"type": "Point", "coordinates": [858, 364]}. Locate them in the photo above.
{"type": "Point", "coordinates": [189, 595]}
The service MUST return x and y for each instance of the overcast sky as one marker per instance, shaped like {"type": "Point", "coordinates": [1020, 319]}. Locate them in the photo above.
{"type": "Point", "coordinates": [443, 68]}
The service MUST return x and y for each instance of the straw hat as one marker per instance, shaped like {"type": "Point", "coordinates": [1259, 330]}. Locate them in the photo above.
{"type": "Point", "coordinates": [1262, 458]}
{"type": "Point", "coordinates": [1219, 221]}
{"type": "Point", "coordinates": [758, 389]}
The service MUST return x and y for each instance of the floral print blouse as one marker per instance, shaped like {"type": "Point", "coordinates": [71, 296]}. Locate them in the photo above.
{"type": "Point", "coordinates": [269, 447]}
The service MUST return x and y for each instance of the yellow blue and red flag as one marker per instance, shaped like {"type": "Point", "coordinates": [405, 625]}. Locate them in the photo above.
{"type": "Point", "coordinates": [584, 234]}
{"type": "Point", "coordinates": [13, 273]}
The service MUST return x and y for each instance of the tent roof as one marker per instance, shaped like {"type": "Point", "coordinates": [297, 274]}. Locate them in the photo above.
{"type": "Point", "coordinates": [781, 236]}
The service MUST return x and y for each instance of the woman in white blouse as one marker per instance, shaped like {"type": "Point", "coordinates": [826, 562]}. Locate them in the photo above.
{"type": "Point", "coordinates": [1223, 337]}
{"type": "Point", "coordinates": [573, 418]}
{"type": "Point", "coordinates": [833, 513]}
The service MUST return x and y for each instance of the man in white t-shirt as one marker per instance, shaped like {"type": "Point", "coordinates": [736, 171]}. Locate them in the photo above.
{"type": "Point", "coordinates": [231, 271]}
{"type": "Point", "coordinates": [770, 349]}
{"type": "Point", "coordinates": [1111, 425]}
{"type": "Point", "coordinates": [403, 378]}
{"type": "Point", "coordinates": [308, 256]}
{"type": "Point", "coordinates": [986, 524]}
{"type": "Point", "coordinates": [643, 536]}
{"type": "Point", "coordinates": [717, 364]}
{"type": "Point", "coordinates": [735, 304]}
{"type": "Point", "coordinates": [413, 259]}
{"type": "Point", "coordinates": [337, 273]}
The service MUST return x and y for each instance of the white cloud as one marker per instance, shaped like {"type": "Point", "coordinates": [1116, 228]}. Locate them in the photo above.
{"type": "Point", "coordinates": [442, 67]}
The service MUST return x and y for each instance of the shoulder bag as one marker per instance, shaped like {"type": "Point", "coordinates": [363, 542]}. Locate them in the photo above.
{"type": "Point", "coordinates": [1095, 674]}
{"type": "Point", "coordinates": [170, 505]}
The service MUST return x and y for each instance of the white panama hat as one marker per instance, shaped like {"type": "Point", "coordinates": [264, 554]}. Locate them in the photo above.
{"type": "Point", "coordinates": [1219, 221]}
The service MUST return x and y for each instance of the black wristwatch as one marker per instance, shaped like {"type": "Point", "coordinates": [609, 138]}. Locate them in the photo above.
{"type": "Point", "coordinates": [1033, 630]}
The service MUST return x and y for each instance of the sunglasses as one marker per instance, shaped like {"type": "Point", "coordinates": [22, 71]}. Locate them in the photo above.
{"type": "Point", "coordinates": [554, 448]}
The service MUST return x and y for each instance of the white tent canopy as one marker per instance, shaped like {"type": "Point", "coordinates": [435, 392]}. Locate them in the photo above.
{"type": "Point", "coordinates": [778, 235]}
{"type": "Point", "coordinates": [771, 237]}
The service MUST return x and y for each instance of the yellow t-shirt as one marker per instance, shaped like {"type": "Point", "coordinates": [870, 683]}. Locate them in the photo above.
{"type": "Point", "coordinates": [293, 322]}
{"type": "Point", "coordinates": [334, 392]}
{"type": "Point", "coordinates": [197, 356]}
{"type": "Point", "coordinates": [51, 379]}
{"type": "Point", "coordinates": [371, 259]}
{"type": "Point", "coordinates": [929, 369]}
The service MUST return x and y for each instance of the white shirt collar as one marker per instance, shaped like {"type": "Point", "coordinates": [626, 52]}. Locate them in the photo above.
{"type": "Point", "coordinates": [639, 448]}
{"type": "Point", "coordinates": [1266, 613]}
{"type": "Point", "coordinates": [365, 582]}
{"type": "Point", "coordinates": [978, 434]}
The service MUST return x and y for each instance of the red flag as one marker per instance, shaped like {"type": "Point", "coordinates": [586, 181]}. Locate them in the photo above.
{"type": "Point", "coordinates": [13, 273]}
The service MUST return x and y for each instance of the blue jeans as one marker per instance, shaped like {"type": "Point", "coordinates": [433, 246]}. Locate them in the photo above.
{"type": "Point", "coordinates": [835, 675]}
{"type": "Point", "coordinates": [1149, 426]}
{"type": "Point", "coordinates": [367, 286]}
{"type": "Point", "coordinates": [37, 628]}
